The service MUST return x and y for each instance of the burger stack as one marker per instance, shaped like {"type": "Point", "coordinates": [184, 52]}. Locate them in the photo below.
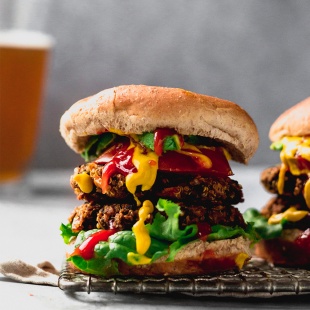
{"type": "Point", "coordinates": [284, 222]}
{"type": "Point", "coordinates": [156, 190]}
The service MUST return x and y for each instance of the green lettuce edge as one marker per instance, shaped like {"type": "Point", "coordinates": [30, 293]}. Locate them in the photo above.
{"type": "Point", "coordinates": [97, 144]}
{"type": "Point", "coordinates": [261, 226]}
{"type": "Point", "coordinates": [166, 240]}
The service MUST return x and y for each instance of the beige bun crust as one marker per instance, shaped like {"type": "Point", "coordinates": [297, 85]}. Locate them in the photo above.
{"type": "Point", "coordinates": [196, 258]}
{"type": "Point", "coordinates": [292, 122]}
{"type": "Point", "coordinates": [140, 108]}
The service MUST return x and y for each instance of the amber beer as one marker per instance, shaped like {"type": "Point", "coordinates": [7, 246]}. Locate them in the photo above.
{"type": "Point", "coordinates": [23, 64]}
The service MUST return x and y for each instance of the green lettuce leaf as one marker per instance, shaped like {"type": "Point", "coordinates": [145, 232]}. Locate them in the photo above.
{"type": "Point", "coordinates": [117, 247]}
{"type": "Point", "coordinates": [167, 229]}
{"type": "Point", "coordinates": [96, 145]}
{"type": "Point", "coordinates": [166, 240]}
{"type": "Point", "coordinates": [97, 266]}
{"type": "Point", "coordinates": [171, 143]}
{"type": "Point", "coordinates": [276, 146]}
{"type": "Point", "coordinates": [220, 232]}
{"type": "Point", "coordinates": [66, 233]}
{"type": "Point", "coordinates": [123, 242]}
{"type": "Point", "coordinates": [261, 226]}
{"type": "Point", "coordinates": [83, 235]}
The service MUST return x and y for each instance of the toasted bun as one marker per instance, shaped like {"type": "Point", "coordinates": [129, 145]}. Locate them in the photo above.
{"type": "Point", "coordinates": [197, 258]}
{"type": "Point", "coordinates": [140, 108]}
{"type": "Point", "coordinates": [293, 122]}
{"type": "Point", "coordinates": [284, 251]}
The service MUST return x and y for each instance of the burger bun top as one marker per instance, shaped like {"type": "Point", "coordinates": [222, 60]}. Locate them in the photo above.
{"type": "Point", "coordinates": [134, 109]}
{"type": "Point", "coordinates": [292, 122]}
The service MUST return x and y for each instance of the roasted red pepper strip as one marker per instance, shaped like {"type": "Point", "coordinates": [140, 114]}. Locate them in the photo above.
{"type": "Point", "coordinates": [86, 249]}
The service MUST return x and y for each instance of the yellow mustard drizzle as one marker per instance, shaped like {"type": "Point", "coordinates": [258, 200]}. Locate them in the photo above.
{"type": "Point", "coordinates": [138, 259]}
{"type": "Point", "coordinates": [240, 259]}
{"type": "Point", "coordinates": [147, 165]}
{"type": "Point", "coordinates": [205, 159]}
{"type": "Point", "coordinates": [307, 193]}
{"type": "Point", "coordinates": [291, 214]}
{"type": "Point", "coordinates": [116, 131]}
{"type": "Point", "coordinates": [143, 239]}
{"type": "Point", "coordinates": [281, 178]}
{"type": "Point", "coordinates": [293, 146]}
{"type": "Point", "coordinates": [84, 182]}
{"type": "Point", "coordinates": [226, 153]}
{"type": "Point", "coordinates": [121, 133]}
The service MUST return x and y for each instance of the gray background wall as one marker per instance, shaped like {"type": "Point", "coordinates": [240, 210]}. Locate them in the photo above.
{"type": "Point", "coordinates": [255, 53]}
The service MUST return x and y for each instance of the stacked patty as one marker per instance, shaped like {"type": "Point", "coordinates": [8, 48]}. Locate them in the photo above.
{"type": "Point", "coordinates": [293, 194]}
{"type": "Point", "coordinates": [203, 199]}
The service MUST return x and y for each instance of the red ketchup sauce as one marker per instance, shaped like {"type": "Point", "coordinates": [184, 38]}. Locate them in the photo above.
{"type": "Point", "coordinates": [86, 249]}
{"type": "Point", "coordinates": [173, 161]}
{"type": "Point", "coordinates": [302, 163]}
{"type": "Point", "coordinates": [117, 159]}
{"type": "Point", "coordinates": [204, 229]}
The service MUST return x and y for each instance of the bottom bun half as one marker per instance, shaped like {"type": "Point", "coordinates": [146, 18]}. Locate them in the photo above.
{"type": "Point", "coordinates": [289, 250]}
{"type": "Point", "coordinates": [196, 258]}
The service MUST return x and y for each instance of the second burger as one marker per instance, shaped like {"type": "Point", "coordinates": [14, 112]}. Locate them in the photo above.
{"type": "Point", "coordinates": [284, 222]}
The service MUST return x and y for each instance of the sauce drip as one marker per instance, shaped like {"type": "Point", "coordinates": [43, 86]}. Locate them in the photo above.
{"type": "Point", "coordinates": [291, 214]}
{"type": "Point", "coordinates": [147, 166]}
{"type": "Point", "coordinates": [204, 229]}
{"type": "Point", "coordinates": [84, 181]}
{"type": "Point", "coordinates": [295, 157]}
{"type": "Point", "coordinates": [121, 162]}
{"type": "Point", "coordinates": [143, 239]}
{"type": "Point", "coordinates": [140, 166]}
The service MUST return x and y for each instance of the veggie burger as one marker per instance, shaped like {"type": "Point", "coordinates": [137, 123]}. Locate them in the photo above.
{"type": "Point", "coordinates": [156, 188]}
{"type": "Point", "coordinates": [284, 222]}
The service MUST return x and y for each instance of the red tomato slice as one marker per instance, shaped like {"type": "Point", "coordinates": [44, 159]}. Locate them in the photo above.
{"type": "Point", "coordinates": [303, 241]}
{"type": "Point", "coordinates": [174, 161]}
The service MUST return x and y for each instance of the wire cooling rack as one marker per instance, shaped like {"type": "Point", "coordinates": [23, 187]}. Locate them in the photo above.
{"type": "Point", "coordinates": [257, 279]}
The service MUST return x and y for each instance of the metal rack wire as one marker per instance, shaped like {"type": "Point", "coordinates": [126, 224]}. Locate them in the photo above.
{"type": "Point", "coordinates": [257, 279]}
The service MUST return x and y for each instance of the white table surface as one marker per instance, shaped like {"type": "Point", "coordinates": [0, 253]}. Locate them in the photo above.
{"type": "Point", "coordinates": [30, 231]}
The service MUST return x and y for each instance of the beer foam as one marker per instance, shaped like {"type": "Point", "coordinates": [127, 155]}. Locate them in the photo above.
{"type": "Point", "coordinates": [19, 38]}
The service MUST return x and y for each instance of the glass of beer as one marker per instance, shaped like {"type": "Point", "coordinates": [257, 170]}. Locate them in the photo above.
{"type": "Point", "coordinates": [23, 67]}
